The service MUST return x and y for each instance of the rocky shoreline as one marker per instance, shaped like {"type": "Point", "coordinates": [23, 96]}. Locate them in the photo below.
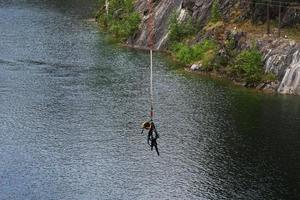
{"type": "Point", "coordinates": [266, 87]}
{"type": "Point", "coordinates": [281, 56]}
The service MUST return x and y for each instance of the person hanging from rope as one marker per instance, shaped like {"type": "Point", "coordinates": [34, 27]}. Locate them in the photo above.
{"type": "Point", "coordinates": [151, 139]}
{"type": "Point", "coordinates": [149, 125]}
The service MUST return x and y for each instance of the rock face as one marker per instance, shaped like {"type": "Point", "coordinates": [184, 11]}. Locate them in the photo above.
{"type": "Point", "coordinates": [291, 17]}
{"type": "Point", "coordinates": [199, 10]}
{"type": "Point", "coordinates": [163, 10]}
{"type": "Point", "coordinates": [282, 57]}
{"type": "Point", "coordinates": [257, 12]}
{"type": "Point", "coordinates": [290, 83]}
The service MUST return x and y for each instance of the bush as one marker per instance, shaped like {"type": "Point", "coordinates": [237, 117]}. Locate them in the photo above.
{"type": "Point", "coordinates": [183, 53]}
{"type": "Point", "coordinates": [122, 21]}
{"type": "Point", "coordinates": [204, 52]}
{"type": "Point", "coordinates": [131, 24]}
{"type": "Point", "coordinates": [204, 46]}
{"type": "Point", "coordinates": [215, 12]}
{"type": "Point", "coordinates": [248, 65]}
{"type": "Point", "coordinates": [269, 77]}
{"type": "Point", "coordinates": [180, 30]}
{"type": "Point", "coordinates": [208, 59]}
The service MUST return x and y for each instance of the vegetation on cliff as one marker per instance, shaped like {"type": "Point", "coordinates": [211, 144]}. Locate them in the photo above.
{"type": "Point", "coordinates": [215, 12]}
{"type": "Point", "coordinates": [214, 52]}
{"type": "Point", "coordinates": [205, 52]}
{"type": "Point", "coordinates": [180, 31]}
{"type": "Point", "coordinates": [211, 43]}
{"type": "Point", "coordinates": [248, 65]}
{"type": "Point", "coordinates": [121, 21]}
{"type": "Point", "coordinates": [180, 35]}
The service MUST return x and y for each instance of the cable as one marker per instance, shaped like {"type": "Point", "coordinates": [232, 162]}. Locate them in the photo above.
{"type": "Point", "coordinates": [150, 46]}
{"type": "Point", "coordinates": [151, 85]}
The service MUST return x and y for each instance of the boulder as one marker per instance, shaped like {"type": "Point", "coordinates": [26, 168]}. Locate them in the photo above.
{"type": "Point", "coordinates": [195, 67]}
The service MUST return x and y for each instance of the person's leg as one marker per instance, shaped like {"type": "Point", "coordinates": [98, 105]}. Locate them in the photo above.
{"type": "Point", "coordinates": [156, 150]}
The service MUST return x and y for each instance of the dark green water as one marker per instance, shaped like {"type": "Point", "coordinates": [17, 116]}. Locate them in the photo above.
{"type": "Point", "coordinates": [71, 107]}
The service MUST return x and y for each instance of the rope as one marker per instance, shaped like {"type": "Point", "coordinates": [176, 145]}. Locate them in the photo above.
{"type": "Point", "coordinates": [151, 85]}
{"type": "Point", "coordinates": [150, 46]}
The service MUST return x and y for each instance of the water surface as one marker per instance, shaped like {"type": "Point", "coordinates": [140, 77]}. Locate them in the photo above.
{"type": "Point", "coordinates": [70, 112]}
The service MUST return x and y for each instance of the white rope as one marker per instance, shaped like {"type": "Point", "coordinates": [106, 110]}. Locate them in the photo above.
{"type": "Point", "coordinates": [151, 84]}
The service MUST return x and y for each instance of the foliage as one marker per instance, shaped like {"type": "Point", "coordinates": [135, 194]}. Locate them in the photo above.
{"type": "Point", "coordinates": [208, 59]}
{"type": "Point", "coordinates": [180, 30]}
{"type": "Point", "coordinates": [215, 12]}
{"type": "Point", "coordinates": [230, 46]}
{"type": "Point", "coordinates": [204, 52]}
{"type": "Point", "coordinates": [269, 77]}
{"type": "Point", "coordinates": [122, 21]}
{"type": "Point", "coordinates": [248, 65]}
{"type": "Point", "coordinates": [221, 61]}
{"type": "Point", "coordinates": [126, 27]}
{"type": "Point", "coordinates": [204, 46]}
{"type": "Point", "coordinates": [183, 53]}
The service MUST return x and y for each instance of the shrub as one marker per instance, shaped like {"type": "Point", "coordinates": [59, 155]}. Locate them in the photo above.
{"type": "Point", "coordinates": [183, 53]}
{"type": "Point", "coordinates": [215, 12]}
{"type": "Point", "coordinates": [180, 30]}
{"type": "Point", "coordinates": [131, 24]}
{"type": "Point", "coordinates": [269, 77]}
{"type": "Point", "coordinates": [198, 50]}
{"type": "Point", "coordinates": [248, 65]}
{"type": "Point", "coordinates": [122, 21]}
{"type": "Point", "coordinates": [208, 59]}
{"type": "Point", "coordinates": [204, 52]}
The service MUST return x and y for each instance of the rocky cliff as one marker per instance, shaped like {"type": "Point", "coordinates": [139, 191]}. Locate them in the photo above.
{"type": "Point", "coordinates": [163, 10]}
{"type": "Point", "coordinates": [281, 56]}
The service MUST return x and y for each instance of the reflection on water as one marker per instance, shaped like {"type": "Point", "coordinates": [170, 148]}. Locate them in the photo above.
{"type": "Point", "coordinates": [71, 107]}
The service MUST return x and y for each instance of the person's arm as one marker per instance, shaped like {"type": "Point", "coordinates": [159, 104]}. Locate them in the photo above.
{"type": "Point", "coordinates": [156, 133]}
{"type": "Point", "coordinates": [148, 137]}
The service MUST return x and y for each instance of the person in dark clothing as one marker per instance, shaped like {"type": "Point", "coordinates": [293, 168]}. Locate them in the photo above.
{"type": "Point", "coordinates": [151, 140]}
